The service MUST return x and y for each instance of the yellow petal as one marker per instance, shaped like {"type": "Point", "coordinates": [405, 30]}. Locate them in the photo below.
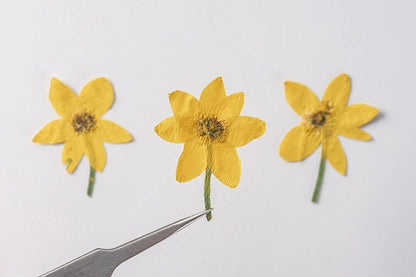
{"type": "Point", "coordinates": [232, 107]}
{"type": "Point", "coordinates": [182, 103]}
{"type": "Point", "coordinates": [335, 154]}
{"type": "Point", "coordinates": [72, 153]}
{"type": "Point", "coordinates": [97, 96]}
{"type": "Point", "coordinates": [354, 133]}
{"type": "Point", "coordinates": [109, 131]}
{"type": "Point", "coordinates": [212, 97]}
{"type": "Point", "coordinates": [54, 132]}
{"type": "Point", "coordinates": [170, 130]}
{"type": "Point", "coordinates": [338, 91]}
{"type": "Point", "coordinates": [355, 116]}
{"type": "Point", "coordinates": [243, 130]}
{"type": "Point", "coordinates": [298, 144]}
{"type": "Point", "coordinates": [192, 161]}
{"type": "Point", "coordinates": [300, 97]}
{"type": "Point", "coordinates": [63, 99]}
{"type": "Point", "coordinates": [95, 151]}
{"type": "Point", "coordinates": [226, 165]}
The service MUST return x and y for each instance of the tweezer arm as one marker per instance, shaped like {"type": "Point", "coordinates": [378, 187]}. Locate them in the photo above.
{"type": "Point", "coordinates": [102, 262]}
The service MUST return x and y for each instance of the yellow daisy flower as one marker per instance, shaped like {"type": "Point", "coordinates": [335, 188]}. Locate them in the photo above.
{"type": "Point", "coordinates": [210, 129]}
{"type": "Point", "coordinates": [81, 127]}
{"type": "Point", "coordinates": [322, 121]}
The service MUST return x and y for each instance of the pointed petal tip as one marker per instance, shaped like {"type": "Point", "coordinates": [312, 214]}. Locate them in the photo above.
{"type": "Point", "coordinates": [100, 79]}
{"type": "Point", "coordinates": [376, 111]}
{"type": "Point", "coordinates": [129, 139]}
{"type": "Point", "coordinates": [173, 93]}
{"type": "Point", "coordinates": [181, 179]}
{"type": "Point", "coordinates": [55, 80]}
{"type": "Point", "coordinates": [367, 138]}
{"type": "Point", "coordinates": [156, 129]}
{"type": "Point", "coordinates": [342, 171]}
{"type": "Point", "coordinates": [263, 124]}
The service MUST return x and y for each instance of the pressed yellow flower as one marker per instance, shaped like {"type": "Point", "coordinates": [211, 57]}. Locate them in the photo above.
{"type": "Point", "coordinates": [322, 121]}
{"type": "Point", "coordinates": [81, 127]}
{"type": "Point", "coordinates": [210, 129]}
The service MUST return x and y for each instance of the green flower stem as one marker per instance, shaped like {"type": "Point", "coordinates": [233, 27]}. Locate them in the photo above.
{"type": "Point", "coordinates": [91, 181]}
{"type": "Point", "coordinates": [207, 192]}
{"type": "Point", "coordinates": [318, 184]}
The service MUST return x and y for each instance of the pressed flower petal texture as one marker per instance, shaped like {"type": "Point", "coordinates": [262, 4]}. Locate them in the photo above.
{"type": "Point", "coordinates": [111, 132]}
{"type": "Point", "coordinates": [299, 144]}
{"type": "Point", "coordinates": [63, 99]}
{"type": "Point", "coordinates": [333, 151]}
{"type": "Point", "coordinates": [53, 133]}
{"type": "Point", "coordinates": [74, 149]}
{"type": "Point", "coordinates": [182, 103]}
{"type": "Point", "coordinates": [213, 96]}
{"type": "Point", "coordinates": [95, 152]}
{"type": "Point", "coordinates": [243, 130]}
{"type": "Point", "coordinates": [170, 130]}
{"type": "Point", "coordinates": [300, 97]}
{"type": "Point", "coordinates": [226, 165]}
{"type": "Point", "coordinates": [338, 90]}
{"type": "Point", "coordinates": [355, 116]}
{"type": "Point", "coordinates": [81, 127]}
{"type": "Point", "coordinates": [323, 120]}
{"type": "Point", "coordinates": [97, 96]}
{"type": "Point", "coordinates": [232, 106]}
{"type": "Point", "coordinates": [192, 161]}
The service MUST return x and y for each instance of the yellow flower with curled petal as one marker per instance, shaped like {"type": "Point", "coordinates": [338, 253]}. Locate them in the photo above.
{"type": "Point", "coordinates": [210, 129]}
{"type": "Point", "coordinates": [322, 121]}
{"type": "Point", "coordinates": [81, 127]}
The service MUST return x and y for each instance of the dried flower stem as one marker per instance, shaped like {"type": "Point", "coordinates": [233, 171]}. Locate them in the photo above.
{"type": "Point", "coordinates": [207, 183]}
{"type": "Point", "coordinates": [91, 181]}
{"type": "Point", "coordinates": [318, 184]}
{"type": "Point", "coordinates": [207, 192]}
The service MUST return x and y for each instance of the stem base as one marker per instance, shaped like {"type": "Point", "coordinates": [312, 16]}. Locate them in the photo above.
{"type": "Point", "coordinates": [318, 183]}
{"type": "Point", "coordinates": [91, 182]}
{"type": "Point", "coordinates": [207, 192]}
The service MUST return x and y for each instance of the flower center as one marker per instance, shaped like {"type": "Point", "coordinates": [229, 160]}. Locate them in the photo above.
{"type": "Point", "coordinates": [83, 122]}
{"type": "Point", "coordinates": [318, 119]}
{"type": "Point", "coordinates": [210, 129]}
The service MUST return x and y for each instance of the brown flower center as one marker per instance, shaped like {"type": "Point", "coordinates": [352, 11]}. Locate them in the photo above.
{"type": "Point", "coordinates": [320, 118]}
{"type": "Point", "coordinates": [83, 122]}
{"type": "Point", "coordinates": [210, 129]}
{"type": "Point", "coordinates": [317, 119]}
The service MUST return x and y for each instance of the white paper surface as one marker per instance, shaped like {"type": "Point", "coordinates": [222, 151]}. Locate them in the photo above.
{"type": "Point", "coordinates": [364, 223]}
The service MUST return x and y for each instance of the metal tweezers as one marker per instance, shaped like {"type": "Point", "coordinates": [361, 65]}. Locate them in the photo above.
{"type": "Point", "coordinates": [102, 262]}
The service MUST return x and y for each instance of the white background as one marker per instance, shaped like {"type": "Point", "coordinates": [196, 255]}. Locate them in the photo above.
{"type": "Point", "coordinates": [364, 224]}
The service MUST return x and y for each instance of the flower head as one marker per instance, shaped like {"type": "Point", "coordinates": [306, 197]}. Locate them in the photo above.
{"type": "Point", "coordinates": [322, 121]}
{"type": "Point", "coordinates": [211, 129]}
{"type": "Point", "coordinates": [81, 127]}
